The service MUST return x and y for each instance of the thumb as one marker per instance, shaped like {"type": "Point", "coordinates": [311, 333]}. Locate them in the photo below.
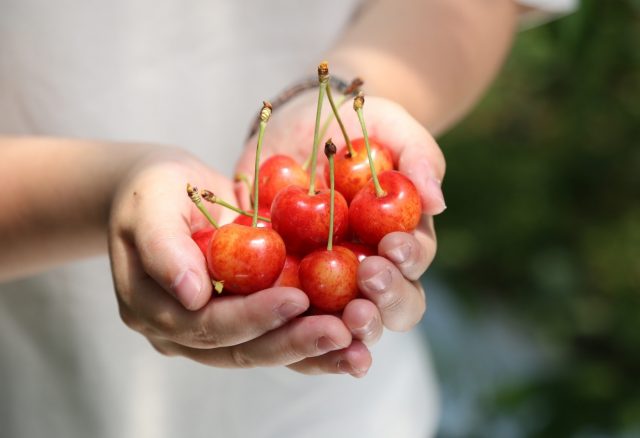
{"type": "Point", "coordinates": [172, 258]}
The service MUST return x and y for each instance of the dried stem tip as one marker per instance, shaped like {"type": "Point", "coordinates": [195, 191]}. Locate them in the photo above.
{"type": "Point", "coordinates": [358, 101]}
{"type": "Point", "coordinates": [208, 196]}
{"type": "Point", "coordinates": [354, 86]}
{"type": "Point", "coordinates": [330, 148]}
{"type": "Point", "coordinates": [193, 193]}
{"type": "Point", "coordinates": [265, 113]}
{"type": "Point", "coordinates": [323, 72]}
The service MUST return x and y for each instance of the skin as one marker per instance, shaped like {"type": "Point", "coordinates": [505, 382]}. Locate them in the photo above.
{"type": "Point", "coordinates": [66, 199]}
{"type": "Point", "coordinates": [428, 94]}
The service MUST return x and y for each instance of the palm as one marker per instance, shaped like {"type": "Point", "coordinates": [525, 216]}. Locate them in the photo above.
{"type": "Point", "coordinates": [291, 129]}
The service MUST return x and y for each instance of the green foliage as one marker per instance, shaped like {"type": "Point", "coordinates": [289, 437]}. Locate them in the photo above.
{"type": "Point", "coordinates": [543, 189]}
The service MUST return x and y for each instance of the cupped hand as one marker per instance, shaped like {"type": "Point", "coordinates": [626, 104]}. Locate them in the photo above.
{"type": "Point", "coordinates": [164, 291]}
{"type": "Point", "coordinates": [395, 298]}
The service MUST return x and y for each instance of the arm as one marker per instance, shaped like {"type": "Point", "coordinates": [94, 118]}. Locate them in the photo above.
{"type": "Point", "coordinates": [434, 57]}
{"type": "Point", "coordinates": [56, 198]}
{"type": "Point", "coordinates": [64, 199]}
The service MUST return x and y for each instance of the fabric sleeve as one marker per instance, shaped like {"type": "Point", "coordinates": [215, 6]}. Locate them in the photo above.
{"type": "Point", "coordinates": [540, 11]}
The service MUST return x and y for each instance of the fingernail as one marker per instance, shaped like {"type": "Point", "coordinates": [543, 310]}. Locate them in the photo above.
{"type": "Point", "coordinates": [187, 288]}
{"type": "Point", "coordinates": [435, 196]}
{"type": "Point", "coordinates": [325, 345]}
{"type": "Point", "coordinates": [289, 310]}
{"type": "Point", "coordinates": [379, 282]}
{"type": "Point", "coordinates": [399, 254]}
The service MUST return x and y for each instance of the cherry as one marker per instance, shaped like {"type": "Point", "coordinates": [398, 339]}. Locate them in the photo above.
{"type": "Point", "coordinates": [352, 166]}
{"type": "Point", "coordinates": [302, 219]}
{"type": "Point", "coordinates": [328, 277]}
{"type": "Point", "coordinates": [277, 173]}
{"type": "Point", "coordinates": [371, 217]}
{"type": "Point", "coordinates": [352, 169]}
{"type": "Point", "coordinates": [289, 276]}
{"type": "Point", "coordinates": [390, 203]}
{"type": "Point", "coordinates": [203, 237]}
{"type": "Point", "coordinates": [264, 221]}
{"type": "Point", "coordinates": [243, 259]}
{"type": "Point", "coordinates": [361, 251]}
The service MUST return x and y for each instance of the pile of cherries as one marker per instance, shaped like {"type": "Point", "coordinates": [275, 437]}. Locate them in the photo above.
{"type": "Point", "coordinates": [306, 238]}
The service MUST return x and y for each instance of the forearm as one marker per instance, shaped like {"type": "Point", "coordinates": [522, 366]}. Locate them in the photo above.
{"type": "Point", "coordinates": [55, 199]}
{"type": "Point", "coordinates": [434, 57]}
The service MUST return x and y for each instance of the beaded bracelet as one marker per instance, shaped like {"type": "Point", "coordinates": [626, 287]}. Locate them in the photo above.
{"type": "Point", "coordinates": [289, 93]}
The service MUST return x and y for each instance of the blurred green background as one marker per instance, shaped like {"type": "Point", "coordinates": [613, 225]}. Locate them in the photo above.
{"type": "Point", "coordinates": [540, 246]}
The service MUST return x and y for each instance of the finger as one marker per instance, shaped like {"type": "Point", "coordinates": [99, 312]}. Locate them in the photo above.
{"type": "Point", "coordinates": [160, 232]}
{"type": "Point", "coordinates": [355, 360]}
{"type": "Point", "coordinates": [363, 320]}
{"type": "Point", "coordinates": [304, 337]}
{"type": "Point", "coordinates": [420, 164]}
{"type": "Point", "coordinates": [411, 253]}
{"type": "Point", "coordinates": [415, 151]}
{"type": "Point", "coordinates": [224, 321]}
{"type": "Point", "coordinates": [400, 301]}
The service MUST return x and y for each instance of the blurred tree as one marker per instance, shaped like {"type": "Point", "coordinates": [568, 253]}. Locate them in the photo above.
{"type": "Point", "coordinates": [543, 188]}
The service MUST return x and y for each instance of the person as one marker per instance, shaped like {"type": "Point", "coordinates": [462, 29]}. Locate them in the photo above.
{"type": "Point", "coordinates": [89, 92]}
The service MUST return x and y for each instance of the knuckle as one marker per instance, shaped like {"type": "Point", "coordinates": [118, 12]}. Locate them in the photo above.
{"type": "Point", "coordinates": [240, 359]}
{"type": "Point", "coordinates": [205, 336]}
{"type": "Point", "coordinates": [130, 320]}
{"type": "Point", "coordinates": [392, 303]}
{"type": "Point", "coordinates": [163, 322]}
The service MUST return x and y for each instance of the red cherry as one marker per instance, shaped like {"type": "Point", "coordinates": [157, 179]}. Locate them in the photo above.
{"type": "Point", "coordinates": [241, 219]}
{"type": "Point", "coordinates": [245, 259]}
{"type": "Point", "coordinates": [399, 209]}
{"type": "Point", "coordinates": [328, 277]}
{"type": "Point", "coordinates": [289, 276]}
{"type": "Point", "coordinates": [352, 172]}
{"type": "Point", "coordinates": [203, 237]}
{"type": "Point", "coordinates": [303, 220]}
{"type": "Point", "coordinates": [361, 251]}
{"type": "Point", "coordinates": [277, 173]}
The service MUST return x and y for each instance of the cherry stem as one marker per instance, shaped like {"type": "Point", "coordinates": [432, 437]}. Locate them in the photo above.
{"type": "Point", "coordinates": [265, 113]}
{"type": "Point", "coordinates": [195, 197]}
{"type": "Point", "coordinates": [358, 103]}
{"type": "Point", "coordinates": [323, 79]}
{"type": "Point", "coordinates": [337, 116]}
{"type": "Point", "coordinates": [352, 89]}
{"type": "Point", "coordinates": [244, 178]}
{"type": "Point", "coordinates": [330, 150]}
{"type": "Point", "coordinates": [210, 197]}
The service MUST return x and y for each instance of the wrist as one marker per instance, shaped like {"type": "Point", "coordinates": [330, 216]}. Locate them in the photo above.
{"type": "Point", "coordinates": [307, 86]}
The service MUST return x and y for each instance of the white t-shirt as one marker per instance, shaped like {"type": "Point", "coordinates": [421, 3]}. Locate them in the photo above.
{"type": "Point", "coordinates": [158, 71]}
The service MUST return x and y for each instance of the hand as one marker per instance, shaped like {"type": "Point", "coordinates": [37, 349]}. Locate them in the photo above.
{"type": "Point", "coordinates": [164, 291]}
{"type": "Point", "coordinates": [396, 299]}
